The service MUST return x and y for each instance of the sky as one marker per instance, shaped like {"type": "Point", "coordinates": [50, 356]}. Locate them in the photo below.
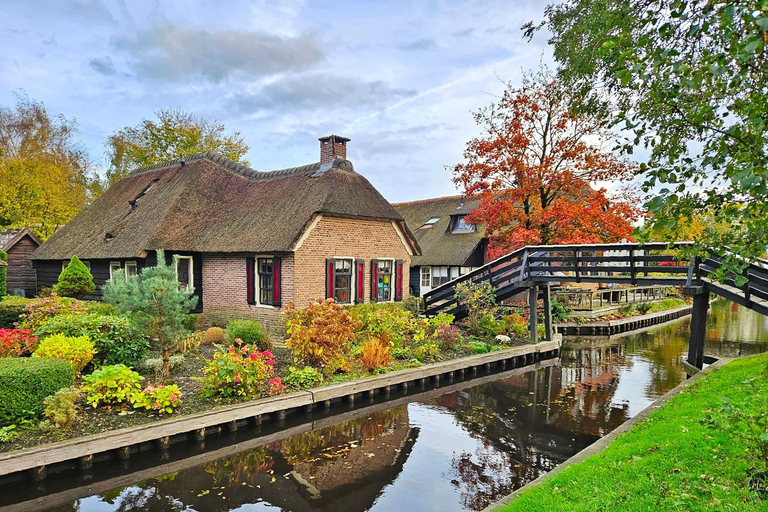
{"type": "Point", "coordinates": [400, 79]}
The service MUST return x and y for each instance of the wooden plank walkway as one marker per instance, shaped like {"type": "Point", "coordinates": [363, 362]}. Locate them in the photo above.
{"type": "Point", "coordinates": [162, 431]}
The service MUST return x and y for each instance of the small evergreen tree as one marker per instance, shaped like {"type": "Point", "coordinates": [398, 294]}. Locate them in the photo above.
{"type": "Point", "coordinates": [3, 274]}
{"type": "Point", "coordinates": [75, 280]}
{"type": "Point", "coordinates": [156, 304]}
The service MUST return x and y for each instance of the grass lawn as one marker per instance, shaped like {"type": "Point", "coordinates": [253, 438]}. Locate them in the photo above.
{"type": "Point", "coordinates": [670, 461]}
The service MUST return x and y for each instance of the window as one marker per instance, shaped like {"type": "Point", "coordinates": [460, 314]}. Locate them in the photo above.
{"type": "Point", "coordinates": [384, 281]}
{"type": "Point", "coordinates": [184, 272]}
{"type": "Point", "coordinates": [460, 225]}
{"type": "Point", "coordinates": [439, 276]}
{"type": "Point", "coordinates": [266, 273]}
{"type": "Point", "coordinates": [342, 286]}
{"type": "Point", "coordinates": [131, 269]}
{"type": "Point", "coordinates": [426, 277]}
{"type": "Point", "coordinates": [431, 222]}
{"type": "Point", "coordinates": [114, 268]}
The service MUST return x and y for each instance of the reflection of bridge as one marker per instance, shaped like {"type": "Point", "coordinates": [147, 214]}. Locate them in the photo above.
{"type": "Point", "coordinates": [534, 267]}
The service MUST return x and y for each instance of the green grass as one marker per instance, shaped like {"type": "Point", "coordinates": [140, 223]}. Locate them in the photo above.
{"type": "Point", "coordinates": [669, 462]}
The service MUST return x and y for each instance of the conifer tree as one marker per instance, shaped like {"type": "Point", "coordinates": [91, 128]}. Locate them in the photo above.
{"type": "Point", "coordinates": [156, 303]}
{"type": "Point", "coordinates": [75, 280]}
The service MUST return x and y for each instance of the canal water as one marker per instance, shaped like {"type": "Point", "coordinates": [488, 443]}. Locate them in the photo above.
{"type": "Point", "coordinates": [459, 447]}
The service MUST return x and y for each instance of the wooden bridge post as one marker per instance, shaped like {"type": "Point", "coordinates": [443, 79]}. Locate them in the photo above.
{"type": "Point", "coordinates": [547, 314]}
{"type": "Point", "coordinates": [698, 324]}
{"type": "Point", "coordinates": [532, 296]}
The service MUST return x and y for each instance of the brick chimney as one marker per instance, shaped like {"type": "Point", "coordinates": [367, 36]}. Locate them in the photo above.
{"type": "Point", "coordinates": [332, 147]}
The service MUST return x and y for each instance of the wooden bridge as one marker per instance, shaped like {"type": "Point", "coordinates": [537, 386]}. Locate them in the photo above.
{"type": "Point", "coordinates": [531, 269]}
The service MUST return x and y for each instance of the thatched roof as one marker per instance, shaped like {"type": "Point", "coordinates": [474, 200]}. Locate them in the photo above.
{"type": "Point", "coordinates": [212, 204]}
{"type": "Point", "coordinates": [438, 245]}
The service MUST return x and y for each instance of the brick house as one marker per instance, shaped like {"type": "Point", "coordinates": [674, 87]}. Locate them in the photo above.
{"type": "Point", "coordinates": [19, 244]}
{"type": "Point", "coordinates": [450, 246]}
{"type": "Point", "coordinates": [247, 242]}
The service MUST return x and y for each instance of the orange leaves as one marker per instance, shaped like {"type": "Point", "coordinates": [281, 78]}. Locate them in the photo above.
{"type": "Point", "coordinates": [375, 354]}
{"type": "Point", "coordinates": [533, 167]}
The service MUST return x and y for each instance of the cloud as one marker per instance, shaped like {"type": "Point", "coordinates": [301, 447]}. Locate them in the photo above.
{"type": "Point", "coordinates": [419, 44]}
{"type": "Point", "coordinates": [103, 65]}
{"type": "Point", "coordinates": [88, 11]}
{"type": "Point", "coordinates": [171, 54]}
{"type": "Point", "coordinates": [318, 91]}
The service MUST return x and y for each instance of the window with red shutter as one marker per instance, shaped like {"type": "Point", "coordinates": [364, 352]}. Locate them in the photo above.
{"type": "Point", "coordinates": [398, 280]}
{"type": "Point", "coordinates": [277, 278]}
{"type": "Point", "coordinates": [330, 278]}
{"type": "Point", "coordinates": [359, 281]}
{"type": "Point", "coordinates": [374, 279]}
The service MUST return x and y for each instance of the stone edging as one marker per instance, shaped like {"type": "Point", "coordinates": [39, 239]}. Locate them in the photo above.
{"type": "Point", "coordinates": [603, 442]}
{"type": "Point", "coordinates": [84, 448]}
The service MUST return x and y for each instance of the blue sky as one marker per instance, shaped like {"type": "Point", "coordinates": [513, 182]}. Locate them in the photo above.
{"type": "Point", "coordinates": [399, 78]}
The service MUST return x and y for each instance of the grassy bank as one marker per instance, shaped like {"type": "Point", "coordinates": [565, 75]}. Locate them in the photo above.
{"type": "Point", "coordinates": [670, 461]}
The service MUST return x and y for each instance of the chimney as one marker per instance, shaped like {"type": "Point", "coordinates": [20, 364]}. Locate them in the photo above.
{"type": "Point", "coordinates": [332, 147]}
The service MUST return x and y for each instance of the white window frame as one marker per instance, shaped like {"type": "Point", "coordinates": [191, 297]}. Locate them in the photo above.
{"type": "Point", "coordinates": [257, 279]}
{"type": "Point", "coordinates": [468, 227]}
{"type": "Point", "coordinates": [352, 281]}
{"type": "Point", "coordinates": [113, 266]}
{"type": "Point", "coordinates": [177, 259]}
{"type": "Point", "coordinates": [392, 276]}
{"type": "Point", "coordinates": [426, 272]}
{"type": "Point", "coordinates": [131, 264]}
{"type": "Point", "coordinates": [440, 268]}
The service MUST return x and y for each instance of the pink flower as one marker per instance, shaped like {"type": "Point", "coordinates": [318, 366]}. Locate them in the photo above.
{"type": "Point", "coordinates": [237, 379]}
{"type": "Point", "coordinates": [270, 362]}
{"type": "Point", "coordinates": [268, 354]}
{"type": "Point", "coordinates": [253, 356]}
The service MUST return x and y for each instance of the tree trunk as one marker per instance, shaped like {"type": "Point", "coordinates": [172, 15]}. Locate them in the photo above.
{"type": "Point", "coordinates": [166, 372]}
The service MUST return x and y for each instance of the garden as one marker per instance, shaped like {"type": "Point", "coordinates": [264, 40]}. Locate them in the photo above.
{"type": "Point", "coordinates": [71, 367]}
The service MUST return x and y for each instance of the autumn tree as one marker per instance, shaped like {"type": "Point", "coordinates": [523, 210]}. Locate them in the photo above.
{"type": "Point", "coordinates": [687, 80]}
{"type": "Point", "coordinates": [46, 177]}
{"type": "Point", "coordinates": [173, 134]}
{"type": "Point", "coordinates": [534, 167]}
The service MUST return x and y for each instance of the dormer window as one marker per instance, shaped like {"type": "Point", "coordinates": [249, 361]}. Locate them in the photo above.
{"type": "Point", "coordinates": [460, 225]}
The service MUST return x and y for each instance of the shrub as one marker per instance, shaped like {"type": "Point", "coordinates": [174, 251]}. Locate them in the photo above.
{"type": "Point", "coordinates": [644, 308]}
{"type": "Point", "coordinates": [38, 311]}
{"type": "Point", "coordinates": [479, 300]}
{"type": "Point", "coordinates": [448, 337]}
{"type": "Point", "coordinates": [559, 311]}
{"type": "Point", "coordinates": [163, 399]}
{"type": "Point", "coordinates": [491, 327]}
{"type": "Point", "coordinates": [427, 352]}
{"type": "Point", "coordinates": [303, 378]}
{"type": "Point", "coordinates": [114, 337]}
{"type": "Point", "coordinates": [75, 280]}
{"type": "Point", "coordinates": [113, 384]}
{"type": "Point", "coordinates": [157, 304]}
{"type": "Point", "coordinates": [60, 407]}
{"type": "Point", "coordinates": [403, 353]}
{"type": "Point", "coordinates": [17, 342]}
{"type": "Point", "coordinates": [25, 382]}
{"type": "Point", "coordinates": [250, 332]}
{"type": "Point", "coordinates": [320, 335]}
{"type": "Point", "coordinates": [627, 310]}
{"type": "Point", "coordinates": [190, 322]}
{"type": "Point", "coordinates": [479, 347]}
{"type": "Point", "coordinates": [516, 325]}
{"type": "Point", "coordinates": [155, 364]}
{"type": "Point", "coordinates": [190, 343]}
{"type": "Point", "coordinates": [414, 305]}
{"type": "Point", "coordinates": [78, 350]}
{"type": "Point", "coordinates": [3, 274]}
{"type": "Point", "coordinates": [375, 354]}
{"type": "Point", "coordinates": [11, 308]}
{"type": "Point", "coordinates": [214, 335]}
{"type": "Point", "coordinates": [239, 370]}
{"type": "Point", "coordinates": [100, 308]}
{"type": "Point", "coordinates": [390, 320]}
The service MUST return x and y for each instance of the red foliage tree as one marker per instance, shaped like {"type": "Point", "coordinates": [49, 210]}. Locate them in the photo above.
{"type": "Point", "coordinates": [533, 168]}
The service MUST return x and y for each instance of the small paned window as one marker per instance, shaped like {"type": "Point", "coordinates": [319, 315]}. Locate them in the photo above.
{"type": "Point", "coordinates": [184, 272]}
{"type": "Point", "coordinates": [461, 225]}
{"type": "Point", "coordinates": [115, 267]}
{"type": "Point", "coordinates": [342, 286]}
{"type": "Point", "coordinates": [426, 277]}
{"type": "Point", "coordinates": [131, 269]}
{"type": "Point", "coordinates": [431, 222]}
{"type": "Point", "coordinates": [439, 276]}
{"type": "Point", "coordinates": [266, 273]}
{"type": "Point", "coordinates": [384, 281]}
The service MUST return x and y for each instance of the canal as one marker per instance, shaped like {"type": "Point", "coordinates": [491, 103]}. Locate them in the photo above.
{"type": "Point", "coordinates": [457, 447]}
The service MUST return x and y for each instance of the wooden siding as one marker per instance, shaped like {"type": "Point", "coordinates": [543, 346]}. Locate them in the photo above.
{"type": "Point", "coordinates": [414, 282]}
{"type": "Point", "coordinates": [21, 273]}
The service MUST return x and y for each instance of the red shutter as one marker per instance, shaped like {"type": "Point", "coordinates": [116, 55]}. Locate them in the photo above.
{"type": "Point", "coordinates": [277, 279]}
{"type": "Point", "coordinates": [398, 280]}
{"type": "Point", "coordinates": [249, 279]}
{"type": "Point", "coordinates": [359, 281]}
{"type": "Point", "coordinates": [330, 278]}
{"type": "Point", "coordinates": [374, 279]}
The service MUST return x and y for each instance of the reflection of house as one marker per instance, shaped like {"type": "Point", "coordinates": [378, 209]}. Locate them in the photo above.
{"type": "Point", "coordinates": [19, 245]}
{"type": "Point", "coordinates": [247, 241]}
{"type": "Point", "coordinates": [450, 246]}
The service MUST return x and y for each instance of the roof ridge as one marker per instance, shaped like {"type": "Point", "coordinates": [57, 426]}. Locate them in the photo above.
{"type": "Point", "coordinates": [431, 200]}
{"type": "Point", "coordinates": [243, 169]}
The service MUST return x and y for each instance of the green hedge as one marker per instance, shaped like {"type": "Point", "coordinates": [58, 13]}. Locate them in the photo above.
{"type": "Point", "coordinates": [26, 381]}
{"type": "Point", "coordinates": [10, 309]}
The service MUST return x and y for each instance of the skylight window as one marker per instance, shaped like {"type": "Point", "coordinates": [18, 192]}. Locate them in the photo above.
{"type": "Point", "coordinates": [431, 222]}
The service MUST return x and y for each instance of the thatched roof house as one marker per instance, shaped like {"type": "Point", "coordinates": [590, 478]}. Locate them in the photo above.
{"type": "Point", "coordinates": [245, 238]}
{"type": "Point", "coordinates": [450, 246]}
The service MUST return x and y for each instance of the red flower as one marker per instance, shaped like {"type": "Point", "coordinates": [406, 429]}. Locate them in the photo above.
{"type": "Point", "coordinates": [253, 356]}
{"type": "Point", "coordinates": [237, 379]}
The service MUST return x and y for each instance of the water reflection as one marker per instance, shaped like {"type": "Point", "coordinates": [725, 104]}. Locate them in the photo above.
{"type": "Point", "coordinates": [456, 451]}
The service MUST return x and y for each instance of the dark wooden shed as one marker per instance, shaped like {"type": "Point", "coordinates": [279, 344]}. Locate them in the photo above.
{"type": "Point", "coordinates": [19, 244]}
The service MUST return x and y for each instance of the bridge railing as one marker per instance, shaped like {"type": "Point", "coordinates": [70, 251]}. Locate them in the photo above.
{"type": "Point", "coordinates": [629, 263]}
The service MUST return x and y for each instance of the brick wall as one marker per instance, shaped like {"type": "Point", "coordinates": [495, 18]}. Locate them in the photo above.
{"type": "Point", "coordinates": [335, 237]}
